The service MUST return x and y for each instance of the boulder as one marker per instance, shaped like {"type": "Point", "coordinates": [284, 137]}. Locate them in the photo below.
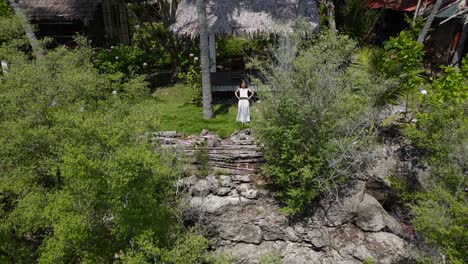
{"type": "Point", "coordinates": [371, 216]}
{"type": "Point", "coordinates": [318, 237]}
{"type": "Point", "coordinates": [201, 188]}
{"type": "Point", "coordinates": [344, 210]}
{"type": "Point", "coordinates": [223, 191]}
{"type": "Point", "coordinates": [246, 190]}
{"type": "Point", "coordinates": [241, 178]}
{"type": "Point", "coordinates": [224, 181]}
{"type": "Point", "coordinates": [213, 183]}
{"type": "Point", "coordinates": [249, 234]}
{"type": "Point", "coordinates": [216, 205]}
{"type": "Point", "coordinates": [387, 248]}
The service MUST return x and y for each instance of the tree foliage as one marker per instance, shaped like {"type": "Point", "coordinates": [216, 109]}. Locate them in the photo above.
{"type": "Point", "coordinates": [314, 121]}
{"type": "Point", "coordinates": [441, 132]}
{"type": "Point", "coordinates": [80, 180]}
{"type": "Point", "coordinates": [401, 62]}
{"type": "Point", "coordinates": [356, 19]}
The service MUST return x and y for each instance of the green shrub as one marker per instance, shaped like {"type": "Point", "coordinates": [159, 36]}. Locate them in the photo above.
{"type": "Point", "coordinates": [81, 182]}
{"type": "Point", "coordinates": [314, 118]}
{"type": "Point", "coordinates": [355, 19]}
{"type": "Point", "coordinates": [192, 78]}
{"type": "Point", "coordinates": [441, 218]}
{"type": "Point", "coordinates": [129, 60]}
{"type": "Point", "coordinates": [401, 61]}
{"type": "Point", "coordinates": [11, 29]}
{"type": "Point", "coordinates": [440, 212]}
{"type": "Point", "coordinates": [5, 9]}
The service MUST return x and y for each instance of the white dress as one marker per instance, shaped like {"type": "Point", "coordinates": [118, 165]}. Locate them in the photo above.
{"type": "Point", "coordinates": [243, 107]}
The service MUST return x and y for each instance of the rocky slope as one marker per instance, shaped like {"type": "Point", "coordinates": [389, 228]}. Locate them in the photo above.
{"type": "Point", "coordinates": [233, 207]}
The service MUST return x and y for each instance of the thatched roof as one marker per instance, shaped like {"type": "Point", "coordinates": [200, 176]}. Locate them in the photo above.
{"type": "Point", "coordinates": [243, 17]}
{"type": "Point", "coordinates": [39, 10]}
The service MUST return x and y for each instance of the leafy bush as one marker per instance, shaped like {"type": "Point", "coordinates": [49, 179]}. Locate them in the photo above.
{"type": "Point", "coordinates": [441, 218]}
{"type": "Point", "coordinates": [81, 182]}
{"type": "Point", "coordinates": [5, 10]}
{"type": "Point", "coordinates": [400, 61]}
{"type": "Point", "coordinates": [192, 78]}
{"type": "Point", "coordinates": [440, 212]}
{"type": "Point", "coordinates": [11, 29]}
{"type": "Point", "coordinates": [356, 19]}
{"type": "Point", "coordinates": [258, 47]}
{"type": "Point", "coordinates": [314, 118]}
{"type": "Point", "coordinates": [128, 60]}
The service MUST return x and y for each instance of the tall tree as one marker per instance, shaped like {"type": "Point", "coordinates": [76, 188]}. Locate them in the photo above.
{"type": "Point", "coordinates": [148, 14]}
{"type": "Point", "coordinates": [205, 59]}
{"type": "Point", "coordinates": [429, 20]}
{"type": "Point", "coordinates": [331, 14]}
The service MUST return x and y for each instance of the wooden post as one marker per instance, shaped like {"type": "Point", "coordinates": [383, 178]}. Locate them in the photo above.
{"type": "Point", "coordinates": [212, 43]}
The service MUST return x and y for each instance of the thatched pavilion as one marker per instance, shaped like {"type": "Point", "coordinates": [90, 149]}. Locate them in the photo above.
{"type": "Point", "coordinates": [104, 21]}
{"type": "Point", "coordinates": [242, 17]}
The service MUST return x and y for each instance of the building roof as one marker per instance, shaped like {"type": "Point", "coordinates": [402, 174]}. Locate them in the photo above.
{"type": "Point", "coordinates": [401, 5]}
{"type": "Point", "coordinates": [39, 10]}
{"type": "Point", "coordinates": [243, 17]}
{"type": "Point", "coordinates": [410, 5]}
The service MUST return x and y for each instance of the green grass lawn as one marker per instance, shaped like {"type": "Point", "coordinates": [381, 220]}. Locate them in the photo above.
{"type": "Point", "coordinates": [177, 113]}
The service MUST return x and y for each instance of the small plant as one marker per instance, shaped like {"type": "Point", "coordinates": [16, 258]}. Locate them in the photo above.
{"type": "Point", "coordinates": [202, 158]}
{"type": "Point", "coordinates": [271, 258]}
{"type": "Point", "coordinates": [402, 62]}
{"type": "Point", "coordinates": [192, 78]}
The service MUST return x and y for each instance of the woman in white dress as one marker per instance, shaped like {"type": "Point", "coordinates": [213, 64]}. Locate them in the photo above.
{"type": "Point", "coordinates": [243, 107]}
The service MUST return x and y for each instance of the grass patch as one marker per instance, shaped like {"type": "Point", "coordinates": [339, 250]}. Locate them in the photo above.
{"type": "Point", "coordinates": [177, 113]}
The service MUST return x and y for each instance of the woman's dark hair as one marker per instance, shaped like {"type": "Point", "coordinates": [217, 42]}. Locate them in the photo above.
{"type": "Point", "coordinates": [246, 83]}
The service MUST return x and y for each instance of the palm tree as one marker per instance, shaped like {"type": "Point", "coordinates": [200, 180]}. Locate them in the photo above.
{"type": "Point", "coordinates": [205, 59]}
{"type": "Point", "coordinates": [356, 19]}
{"type": "Point", "coordinates": [28, 30]}
{"type": "Point", "coordinates": [331, 15]}
{"type": "Point", "coordinates": [428, 23]}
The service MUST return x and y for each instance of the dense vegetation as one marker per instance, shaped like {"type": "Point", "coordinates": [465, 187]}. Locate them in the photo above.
{"type": "Point", "coordinates": [316, 118]}
{"type": "Point", "coordinates": [441, 133]}
{"type": "Point", "coordinates": [317, 121]}
{"type": "Point", "coordinates": [81, 181]}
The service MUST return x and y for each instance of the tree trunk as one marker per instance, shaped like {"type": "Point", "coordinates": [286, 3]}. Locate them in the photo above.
{"type": "Point", "coordinates": [331, 15]}
{"type": "Point", "coordinates": [301, 8]}
{"type": "Point", "coordinates": [171, 43]}
{"type": "Point", "coordinates": [457, 57]}
{"type": "Point", "coordinates": [28, 30]}
{"type": "Point", "coordinates": [205, 59]}
{"type": "Point", "coordinates": [416, 12]}
{"type": "Point", "coordinates": [428, 23]}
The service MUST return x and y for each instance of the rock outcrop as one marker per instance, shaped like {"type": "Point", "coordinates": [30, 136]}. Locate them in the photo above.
{"type": "Point", "coordinates": [233, 207]}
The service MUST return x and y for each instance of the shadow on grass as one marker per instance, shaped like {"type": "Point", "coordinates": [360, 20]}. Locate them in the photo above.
{"type": "Point", "coordinates": [222, 110]}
